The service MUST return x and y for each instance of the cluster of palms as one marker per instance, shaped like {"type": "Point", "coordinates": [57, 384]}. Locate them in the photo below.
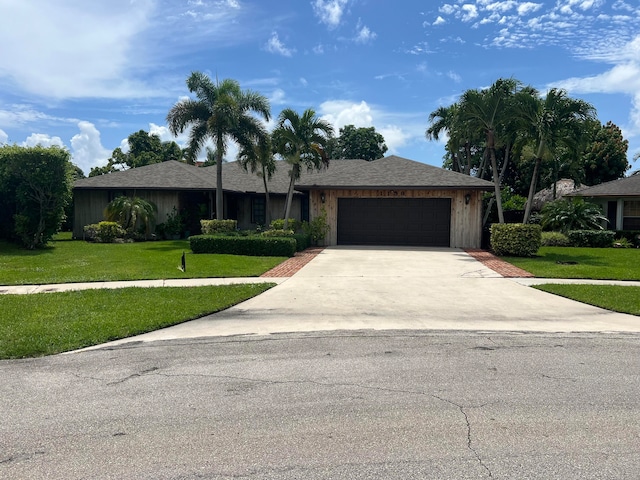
{"type": "Point", "coordinates": [508, 117]}
{"type": "Point", "coordinates": [223, 112]}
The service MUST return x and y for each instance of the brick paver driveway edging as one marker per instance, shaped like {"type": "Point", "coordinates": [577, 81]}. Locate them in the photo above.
{"type": "Point", "coordinates": [290, 267]}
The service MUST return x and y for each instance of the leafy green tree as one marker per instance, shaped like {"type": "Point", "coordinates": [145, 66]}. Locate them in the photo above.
{"type": "Point", "coordinates": [260, 159]}
{"type": "Point", "coordinates": [359, 143]}
{"type": "Point", "coordinates": [605, 158]}
{"type": "Point", "coordinates": [131, 213]}
{"type": "Point", "coordinates": [571, 214]}
{"type": "Point", "coordinates": [301, 141]}
{"type": "Point", "coordinates": [220, 112]}
{"type": "Point", "coordinates": [35, 187]}
{"type": "Point", "coordinates": [144, 149]}
{"type": "Point", "coordinates": [555, 120]}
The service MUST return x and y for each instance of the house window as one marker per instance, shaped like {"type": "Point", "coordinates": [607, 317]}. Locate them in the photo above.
{"type": "Point", "coordinates": [631, 214]}
{"type": "Point", "coordinates": [258, 210]}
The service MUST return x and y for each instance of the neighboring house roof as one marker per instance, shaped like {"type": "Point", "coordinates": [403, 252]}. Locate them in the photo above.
{"type": "Point", "coordinates": [170, 175]}
{"type": "Point", "coordinates": [623, 187]}
{"type": "Point", "coordinates": [388, 172]}
{"type": "Point", "coordinates": [564, 187]}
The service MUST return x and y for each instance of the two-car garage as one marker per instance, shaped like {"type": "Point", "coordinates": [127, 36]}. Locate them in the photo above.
{"type": "Point", "coordinates": [394, 221]}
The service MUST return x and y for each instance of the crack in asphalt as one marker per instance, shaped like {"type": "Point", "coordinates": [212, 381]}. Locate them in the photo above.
{"type": "Point", "coordinates": [134, 375]}
{"type": "Point", "coordinates": [23, 456]}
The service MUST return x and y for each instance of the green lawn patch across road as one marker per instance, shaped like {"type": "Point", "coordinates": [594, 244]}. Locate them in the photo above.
{"type": "Point", "coordinates": [612, 297]}
{"type": "Point", "coordinates": [573, 262]}
{"type": "Point", "coordinates": [49, 323]}
{"type": "Point", "coordinates": [69, 261]}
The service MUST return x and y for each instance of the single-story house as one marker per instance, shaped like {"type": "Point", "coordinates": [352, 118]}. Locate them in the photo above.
{"type": "Point", "coordinates": [390, 201]}
{"type": "Point", "coordinates": [619, 199]}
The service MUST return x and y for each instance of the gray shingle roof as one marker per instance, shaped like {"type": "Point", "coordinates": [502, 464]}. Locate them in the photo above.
{"type": "Point", "coordinates": [388, 172]}
{"type": "Point", "coordinates": [623, 187]}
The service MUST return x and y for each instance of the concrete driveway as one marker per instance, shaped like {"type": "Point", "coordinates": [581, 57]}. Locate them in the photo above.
{"type": "Point", "coordinates": [358, 288]}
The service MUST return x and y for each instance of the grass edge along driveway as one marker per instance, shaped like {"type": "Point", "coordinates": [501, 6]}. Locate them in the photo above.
{"type": "Point", "coordinates": [50, 323]}
{"type": "Point", "coordinates": [588, 263]}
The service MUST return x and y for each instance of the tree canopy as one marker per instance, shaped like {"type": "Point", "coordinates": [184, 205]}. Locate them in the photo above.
{"type": "Point", "coordinates": [144, 149]}
{"type": "Point", "coordinates": [357, 143]}
{"type": "Point", "coordinates": [605, 158]}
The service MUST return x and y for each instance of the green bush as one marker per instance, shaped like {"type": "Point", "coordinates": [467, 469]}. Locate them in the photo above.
{"type": "Point", "coordinates": [623, 243]}
{"type": "Point", "coordinates": [278, 224]}
{"type": "Point", "coordinates": [591, 238]}
{"type": "Point", "coordinates": [632, 235]}
{"type": "Point", "coordinates": [255, 245]}
{"type": "Point", "coordinates": [277, 233]}
{"type": "Point", "coordinates": [555, 239]}
{"type": "Point", "coordinates": [572, 214]}
{"type": "Point", "coordinates": [317, 228]}
{"type": "Point", "coordinates": [104, 232]}
{"type": "Point", "coordinates": [303, 241]}
{"type": "Point", "coordinates": [212, 227]}
{"type": "Point", "coordinates": [515, 239]}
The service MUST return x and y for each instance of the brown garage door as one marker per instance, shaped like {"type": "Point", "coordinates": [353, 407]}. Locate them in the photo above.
{"type": "Point", "coordinates": [394, 221]}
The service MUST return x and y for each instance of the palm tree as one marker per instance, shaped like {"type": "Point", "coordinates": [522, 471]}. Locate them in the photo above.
{"type": "Point", "coordinates": [301, 140]}
{"type": "Point", "coordinates": [489, 111]}
{"type": "Point", "coordinates": [555, 120]}
{"type": "Point", "coordinates": [220, 112]}
{"type": "Point", "coordinates": [259, 158]}
{"type": "Point", "coordinates": [447, 120]}
{"type": "Point", "coordinates": [129, 211]}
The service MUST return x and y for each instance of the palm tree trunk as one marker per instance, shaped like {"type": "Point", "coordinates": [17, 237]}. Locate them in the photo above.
{"type": "Point", "coordinates": [219, 193]}
{"type": "Point", "coordinates": [496, 185]}
{"type": "Point", "coordinates": [533, 184]}
{"type": "Point", "coordinates": [287, 210]}
{"type": "Point", "coordinates": [267, 199]}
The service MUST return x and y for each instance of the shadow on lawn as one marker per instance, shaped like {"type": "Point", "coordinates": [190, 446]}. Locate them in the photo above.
{"type": "Point", "coordinates": [571, 260]}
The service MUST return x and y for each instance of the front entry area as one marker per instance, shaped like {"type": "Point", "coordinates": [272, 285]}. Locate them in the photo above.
{"type": "Point", "coordinates": [394, 221]}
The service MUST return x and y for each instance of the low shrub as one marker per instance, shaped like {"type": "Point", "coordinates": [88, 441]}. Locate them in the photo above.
{"type": "Point", "coordinates": [632, 235]}
{"type": "Point", "coordinates": [622, 243]}
{"type": "Point", "coordinates": [515, 239]}
{"type": "Point", "coordinates": [591, 238]}
{"type": "Point", "coordinates": [555, 239]}
{"type": "Point", "coordinates": [317, 228]}
{"type": "Point", "coordinates": [103, 232]}
{"type": "Point", "coordinates": [212, 227]}
{"type": "Point", "coordinates": [277, 233]}
{"type": "Point", "coordinates": [278, 224]}
{"type": "Point", "coordinates": [255, 245]}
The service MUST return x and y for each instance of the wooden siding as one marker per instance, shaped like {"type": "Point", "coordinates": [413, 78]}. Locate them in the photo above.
{"type": "Point", "coordinates": [466, 220]}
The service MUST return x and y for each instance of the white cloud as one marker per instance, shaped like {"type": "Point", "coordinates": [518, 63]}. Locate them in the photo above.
{"type": "Point", "coordinates": [365, 35]}
{"type": "Point", "coordinates": [277, 97]}
{"type": "Point", "coordinates": [469, 12]}
{"type": "Point", "coordinates": [454, 76]}
{"type": "Point", "coordinates": [274, 45]}
{"type": "Point", "coordinates": [303, 81]}
{"type": "Point", "coordinates": [439, 21]}
{"type": "Point", "coordinates": [447, 9]}
{"type": "Point", "coordinates": [3, 137]}
{"type": "Point", "coordinates": [63, 50]}
{"type": "Point", "coordinates": [318, 49]}
{"type": "Point", "coordinates": [86, 148]}
{"type": "Point", "coordinates": [43, 140]}
{"type": "Point", "coordinates": [329, 11]}
{"type": "Point", "coordinates": [341, 112]}
{"type": "Point", "coordinates": [528, 7]}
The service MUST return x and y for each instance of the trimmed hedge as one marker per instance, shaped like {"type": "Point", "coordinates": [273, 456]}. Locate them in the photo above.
{"type": "Point", "coordinates": [255, 245]}
{"type": "Point", "coordinates": [103, 232]}
{"type": "Point", "coordinates": [555, 239]}
{"type": "Point", "coordinates": [211, 227]}
{"type": "Point", "coordinates": [591, 238]}
{"type": "Point", "coordinates": [515, 239]}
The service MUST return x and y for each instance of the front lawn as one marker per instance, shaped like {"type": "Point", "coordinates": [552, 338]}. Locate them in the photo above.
{"type": "Point", "coordinates": [574, 262]}
{"type": "Point", "coordinates": [612, 297]}
{"type": "Point", "coordinates": [66, 261]}
{"type": "Point", "coordinates": [48, 323]}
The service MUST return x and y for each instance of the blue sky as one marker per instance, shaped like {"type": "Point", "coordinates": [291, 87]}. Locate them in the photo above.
{"type": "Point", "coordinates": [86, 74]}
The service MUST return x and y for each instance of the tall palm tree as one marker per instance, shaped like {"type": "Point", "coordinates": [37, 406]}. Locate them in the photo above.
{"type": "Point", "coordinates": [301, 141]}
{"type": "Point", "coordinates": [447, 120]}
{"type": "Point", "coordinates": [259, 158]}
{"type": "Point", "coordinates": [488, 111]}
{"type": "Point", "coordinates": [220, 112]}
{"type": "Point", "coordinates": [555, 120]}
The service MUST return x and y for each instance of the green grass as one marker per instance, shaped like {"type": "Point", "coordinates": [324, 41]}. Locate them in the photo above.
{"type": "Point", "coordinates": [49, 323]}
{"type": "Point", "coordinates": [612, 297]}
{"type": "Point", "coordinates": [66, 261]}
{"type": "Point", "coordinates": [591, 263]}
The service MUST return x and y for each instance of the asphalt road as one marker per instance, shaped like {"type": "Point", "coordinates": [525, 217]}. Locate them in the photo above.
{"type": "Point", "coordinates": [349, 405]}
